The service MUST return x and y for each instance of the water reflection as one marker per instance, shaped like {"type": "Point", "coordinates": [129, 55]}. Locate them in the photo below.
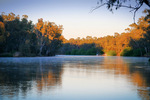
{"type": "Point", "coordinates": [21, 76]}
{"type": "Point", "coordinates": [137, 72]}
{"type": "Point", "coordinates": [75, 77]}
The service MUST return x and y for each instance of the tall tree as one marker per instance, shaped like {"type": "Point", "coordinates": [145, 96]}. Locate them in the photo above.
{"type": "Point", "coordinates": [2, 36]}
{"type": "Point", "coordinates": [49, 37]}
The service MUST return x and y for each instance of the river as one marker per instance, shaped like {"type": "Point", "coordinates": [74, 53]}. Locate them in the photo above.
{"type": "Point", "coordinates": [75, 78]}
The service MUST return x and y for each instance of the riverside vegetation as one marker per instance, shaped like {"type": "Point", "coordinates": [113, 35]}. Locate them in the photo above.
{"type": "Point", "coordinates": [20, 37]}
{"type": "Point", "coordinates": [135, 41]}
{"type": "Point", "coordinates": [23, 38]}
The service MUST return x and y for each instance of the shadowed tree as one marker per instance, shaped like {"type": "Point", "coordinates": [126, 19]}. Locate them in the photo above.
{"type": "Point", "coordinates": [2, 35]}
{"type": "Point", "coordinates": [20, 35]}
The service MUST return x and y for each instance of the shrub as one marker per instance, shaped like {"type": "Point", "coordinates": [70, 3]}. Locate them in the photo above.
{"type": "Point", "coordinates": [68, 53]}
{"type": "Point", "coordinates": [128, 51]}
{"type": "Point", "coordinates": [25, 50]}
{"type": "Point", "coordinates": [111, 53]}
{"type": "Point", "coordinates": [74, 52]}
{"type": "Point", "coordinates": [82, 51]}
{"type": "Point", "coordinates": [6, 55]}
{"type": "Point", "coordinates": [101, 52]}
{"type": "Point", "coordinates": [91, 51]}
{"type": "Point", "coordinates": [136, 52]}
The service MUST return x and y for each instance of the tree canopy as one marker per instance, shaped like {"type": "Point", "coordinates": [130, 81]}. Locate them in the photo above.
{"type": "Point", "coordinates": [133, 42]}
{"type": "Point", "coordinates": [21, 35]}
{"type": "Point", "coordinates": [45, 39]}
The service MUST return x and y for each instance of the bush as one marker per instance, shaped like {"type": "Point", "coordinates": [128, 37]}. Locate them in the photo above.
{"type": "Point", "coordinates": [100, 52]}
{"type": "Point", "coordinates": [68, 53]}
{"type": "Point", "coordinates": [24, 49]}
{"type": "Point", "coordinates": [111, 53]}
{"type": "Point", "coordinates": [82, 51]}
{"type": "Point", "coordinates": [128, 51]}
{"type": "Point", "coordinates": [91, 51]}
{"type": "Point", "coordinates": [136, 52]}
{"type": "Point", "coordinates": [74, 52]}
{"type": "Point", "coordinates": [6, 55]}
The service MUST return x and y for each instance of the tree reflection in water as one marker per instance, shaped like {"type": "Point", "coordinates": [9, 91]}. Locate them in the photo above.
{"type": "Point", "coordinates": [136, 73]}
{"type": "Point", "coordinates": [19, 77]}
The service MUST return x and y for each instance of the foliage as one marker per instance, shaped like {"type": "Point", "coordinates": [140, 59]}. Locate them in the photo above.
{"type": "Point", "coordinates": [137, 36]}
{"type": "Point", "coordinates": [49, 37]}
{"type": "Point", "coordinates": [84, 49]}
{"type": "Point", "coordinates": [45, 39]}
{"type": "Point", "coordinates": [111, 53]}
{"type": "Point", "coordinates": [137, 52]}
{"type": "Point", "coordinates": [74, 52]}
{"type": "Point", "coordinates": [91, 51]}
{"type": "Point", "coordinates": [6, 55]}
{"type": "Point", "coordinates": [128, 51]}
{"type": "Point", "coordinates": [21, 35]}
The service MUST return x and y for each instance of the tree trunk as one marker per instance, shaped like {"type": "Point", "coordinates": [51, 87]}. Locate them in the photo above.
{"type": "Point", "coordinates": [47, 52]}
{"type": "Point", "coordinates": [146, 51]}
{"type": "Point", "coordinates": [40, 53]}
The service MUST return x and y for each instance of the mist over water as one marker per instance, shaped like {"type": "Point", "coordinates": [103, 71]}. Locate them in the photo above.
{"type": "Point", "coordinates": [75, 78]}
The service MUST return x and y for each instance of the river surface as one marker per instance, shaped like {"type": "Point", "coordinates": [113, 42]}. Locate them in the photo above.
{"type": "Point", "coordinates": [75, 78]}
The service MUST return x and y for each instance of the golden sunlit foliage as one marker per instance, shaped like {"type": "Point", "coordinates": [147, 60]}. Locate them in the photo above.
{"type": "Point", "coordinates": [2, 32]}
{"type": "Point", "coordinates": [49, 37]}
{"type": "Point", "coordinates": [21, 35]}
{"type": "Point", "coordinates": [135, 37]}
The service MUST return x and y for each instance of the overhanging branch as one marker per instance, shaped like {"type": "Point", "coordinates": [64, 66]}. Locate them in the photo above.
{"type": "Point", "coordinates": [134, 9]}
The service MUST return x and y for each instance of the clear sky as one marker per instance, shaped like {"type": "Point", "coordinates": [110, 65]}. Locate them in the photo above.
{"type": "Point", "coordinates": [74, 15]}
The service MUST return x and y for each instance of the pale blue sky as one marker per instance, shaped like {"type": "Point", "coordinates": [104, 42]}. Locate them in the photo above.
{"type": "Point", "coordinates": [74, 15]}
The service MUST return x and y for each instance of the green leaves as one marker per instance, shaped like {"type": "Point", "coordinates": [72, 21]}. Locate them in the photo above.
{"type": "Point", "coordinates": [20, 35]}
{"type": "Point", "coordinates": [111, 53]}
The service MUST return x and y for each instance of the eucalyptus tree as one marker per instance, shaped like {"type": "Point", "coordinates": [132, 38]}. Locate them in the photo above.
{"type": "Point", "coordinates": [49, 37]}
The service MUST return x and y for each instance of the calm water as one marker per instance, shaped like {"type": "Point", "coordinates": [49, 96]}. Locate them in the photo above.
{"type": "Point", "coordinates": [75, 78]}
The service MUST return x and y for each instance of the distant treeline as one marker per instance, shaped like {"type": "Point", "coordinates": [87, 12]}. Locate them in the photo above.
{"type": "Point", "coordinates": [134, 42]}
{"type": "Point", "coordinates": [20, 37]}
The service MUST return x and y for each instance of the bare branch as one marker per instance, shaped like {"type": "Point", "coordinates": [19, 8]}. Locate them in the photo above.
{"type": "Point", "coordinates": [98, 7]}
{"type": "Point", "coordinates": [119, 5]}
{"type": "Point", "coordinates": [135, 10]}
{"type": "Point", "coordinates": [125, 6]}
